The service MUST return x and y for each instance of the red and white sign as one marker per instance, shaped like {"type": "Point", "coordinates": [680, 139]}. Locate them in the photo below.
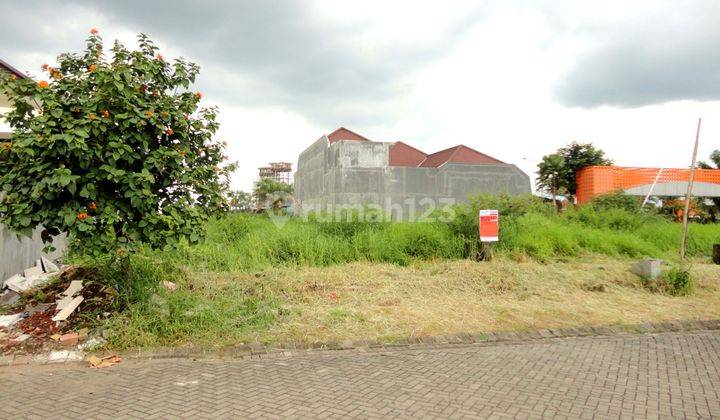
{"type": "Point", "coordinates": [488, 226]}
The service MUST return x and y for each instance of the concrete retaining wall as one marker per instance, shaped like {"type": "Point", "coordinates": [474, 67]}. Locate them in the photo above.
{"type": "Point", "coordinates": [19, 254]}
{"type": "Point", "coordinates": [358, 173]}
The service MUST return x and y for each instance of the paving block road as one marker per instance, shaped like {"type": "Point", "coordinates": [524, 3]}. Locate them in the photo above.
{"type": "Point", "coordinates": [668, 375]}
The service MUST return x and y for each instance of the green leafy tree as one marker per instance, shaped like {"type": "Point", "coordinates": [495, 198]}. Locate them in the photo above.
{"type": "Point", "coordinates": [113, 150]}
{"type": "Point", "coordinates": [550, 176]}
{"type": "Point", "coordinates": [562, 171]}
{"type": "Point", "coordinates": [714, 158]}
{"type": "Point", "coordinates": [271, 194]}
{"type": "Point", "coordinates": [240, 200]}
{"type": "Point", "coordinates": [577, 156]}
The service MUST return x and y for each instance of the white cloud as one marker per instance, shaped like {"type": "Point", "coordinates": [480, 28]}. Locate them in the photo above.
{"type": "Point", "coordinates": [430, 73]}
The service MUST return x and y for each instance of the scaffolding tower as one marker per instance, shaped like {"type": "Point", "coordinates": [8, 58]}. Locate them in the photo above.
{"type": "Point", "coordinates": [277, 171]}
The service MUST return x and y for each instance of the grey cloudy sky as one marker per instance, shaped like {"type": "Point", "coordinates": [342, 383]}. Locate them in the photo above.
{"type": "Point", "coordinates": [515, 80]}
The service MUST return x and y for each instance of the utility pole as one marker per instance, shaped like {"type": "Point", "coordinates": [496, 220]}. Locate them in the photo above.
{"type": "Point", "coordinates": [687, 196]}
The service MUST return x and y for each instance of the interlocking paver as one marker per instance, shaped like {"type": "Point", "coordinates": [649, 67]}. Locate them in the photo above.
{"type": "Point", "coordinates": [659, 375]}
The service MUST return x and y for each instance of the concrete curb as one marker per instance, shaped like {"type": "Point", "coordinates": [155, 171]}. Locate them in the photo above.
{"type": "Point", "coordinates": [261, 351]}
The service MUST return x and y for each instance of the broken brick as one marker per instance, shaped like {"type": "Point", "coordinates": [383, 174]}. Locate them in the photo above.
{"type": "Point", "coordinates": [69, 339]}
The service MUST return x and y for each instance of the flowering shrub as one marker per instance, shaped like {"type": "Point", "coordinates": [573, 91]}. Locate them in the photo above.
{"type": "Point", "coordinates": [113, 150]}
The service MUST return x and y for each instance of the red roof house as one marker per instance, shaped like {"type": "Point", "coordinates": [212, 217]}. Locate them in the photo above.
{"type": "Point", "coordinates": [343, 133]}
{"type": "Point", "coordinates": [402, 154]}
{"type": "Point", "coordinates": [457, 154]}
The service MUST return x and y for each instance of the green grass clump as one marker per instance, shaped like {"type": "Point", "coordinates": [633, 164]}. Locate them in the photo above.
{"type": "Point", "coordinates": [679, 282]}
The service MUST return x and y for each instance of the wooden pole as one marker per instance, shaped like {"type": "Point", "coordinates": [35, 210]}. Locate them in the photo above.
{"type": "Point", "coordinates": [652, 187]}
{"type": "Point", "coordinates": [687, 196]}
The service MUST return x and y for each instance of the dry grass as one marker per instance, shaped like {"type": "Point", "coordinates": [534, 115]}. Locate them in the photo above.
{"type": "Point", "coordinates": [386, 302]}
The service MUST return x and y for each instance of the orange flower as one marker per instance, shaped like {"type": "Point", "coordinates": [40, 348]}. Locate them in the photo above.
{"type": "Point", "coordinates": [92, 116]}
{"type": "Point", "coordinates": [92, 206]}
{"type": "Point", "coordinates": [94, 31]}
{"type": "Point", "coordinates": [13, 77]}
{"type": "Point", "coordinates": [149, 113]}
{"type": "Point", "coordinates": [55, 74]}
{"type": "Point", "coordinates": [43, 84]}
{"type": "Point", "coordinates": [169, 132]}
{"type": "Point", "coordinates": [6, 146]}
{"type": "Point", "coordinates": [105, 113]}
{"type": "Point", "coordinates": [165, 114]}
{"type": "Point", "coordinates": [91, 68]}
{"type": "Point", "coordinates": [159, 57]}
{"type": "Point", "coordinates": [44, 67]}
{"type": "Point", "coordinates": [198, 95]}
{"type": "Point", "coordinates": [82, 216]}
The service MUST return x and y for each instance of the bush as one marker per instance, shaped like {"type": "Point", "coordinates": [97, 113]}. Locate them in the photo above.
{"type": "Point", "coordinates": [679, 282]}
{"type": "Point", "coordinates": [617, 200]}
{"type": "Point", "coordinates": [118, 153]}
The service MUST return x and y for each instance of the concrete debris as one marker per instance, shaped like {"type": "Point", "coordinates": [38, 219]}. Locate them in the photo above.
{"type": "Point", "coordinates": [649, 269]}
{"type": "Point", "coordinates": [22, 284]}
{"type": "Point", "coordinates": [35, 271]}
{"type": "Point", "coordinates": [11, 283]}
{"type": "Point", "coordinates": [32, 277]}
{"type": "Point", "coordinates": [47, 321]}
{"type": "Point", "coordinates": [9, 297]}
{"type": "Point", "coordinates": [107, 361]}
{"type": "Point", "coordinates": [170, 286]}
{"type": "Point", "coordinates": [92, 344]}
{"type": "Point", "coordinates": [69, 309]}
{"type": "Point", "coordinates": [63, 303]}
{"type": "Point", "coordinates": [8, 321]}
{"type": "Point", "coordinates": [61, 356]}
{"type": "Point", "coordinates": [74, 288]}
{"type": "Point", "coordinates": [48, 266]}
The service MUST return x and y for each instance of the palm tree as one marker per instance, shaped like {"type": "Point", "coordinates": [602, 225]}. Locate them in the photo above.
{"type": "Point", "coordinates": [550, 172]}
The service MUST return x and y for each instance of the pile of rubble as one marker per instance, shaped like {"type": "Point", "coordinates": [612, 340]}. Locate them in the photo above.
{"type": "Point", "coordinates": [40, 307]}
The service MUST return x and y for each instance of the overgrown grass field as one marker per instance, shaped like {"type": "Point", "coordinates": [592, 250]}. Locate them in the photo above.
{"type": "Point", "coordinates": [310, 280]}
{"type": "Point", "coordinates": [529, 229]}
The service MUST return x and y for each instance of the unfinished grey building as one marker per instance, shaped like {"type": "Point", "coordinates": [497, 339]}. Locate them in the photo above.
{"type": "Point", "coordinates": [345, 169]}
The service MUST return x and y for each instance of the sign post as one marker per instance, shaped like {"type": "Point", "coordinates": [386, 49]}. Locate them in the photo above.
{"type": "Point", "coordinates": [489, 232]}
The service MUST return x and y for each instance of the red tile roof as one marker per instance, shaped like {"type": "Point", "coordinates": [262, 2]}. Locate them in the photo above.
{"type": "Point", "coordinates": [457, 154]}
{"type": "Point", "coordinates": [402, 154]}
{"type": "Point", "coordinates": [343, 133]}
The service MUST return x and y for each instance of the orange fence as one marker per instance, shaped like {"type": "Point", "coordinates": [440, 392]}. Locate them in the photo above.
{"type": "Point", "coordinates": [596, 180]}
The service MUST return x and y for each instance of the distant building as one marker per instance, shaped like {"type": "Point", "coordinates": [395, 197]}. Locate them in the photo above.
{"type": "Point", "coordinates": [277, 171]}
{"type": "Point", "coordinates": [593, 181]}
{"type": "Point", "coordinates": [345, 168]}
{"type": "Point", "coordinates": [5, 71]}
